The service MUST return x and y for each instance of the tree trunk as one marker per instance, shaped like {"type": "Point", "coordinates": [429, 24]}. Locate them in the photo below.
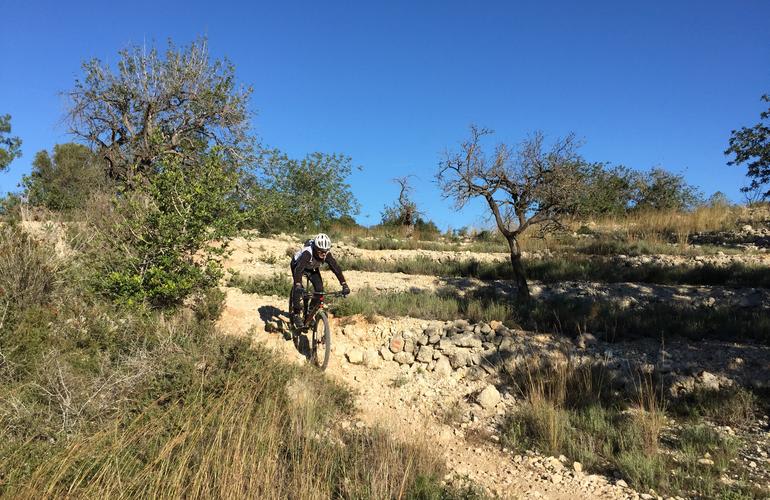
{"type": "Point", "coordinates": [519, 277]}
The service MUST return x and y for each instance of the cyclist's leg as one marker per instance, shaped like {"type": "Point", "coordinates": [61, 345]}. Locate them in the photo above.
{"type": "Point", "coordinates": [295, 299]}
{"type": "Point", "coordinates": [317, 282]}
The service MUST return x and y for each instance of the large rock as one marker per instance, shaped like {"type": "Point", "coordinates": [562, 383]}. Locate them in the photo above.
{"type": "Point", "coordinates": [459, 359]}
{"type": "Point", "coordinates": [425, 355]}
{"type": "Point", "coordinates": [372, 358]}
{"type": "Point", "coordinates": [386, 354]}
{"type": "Point", "coordinates": [443, 367]}
{"type": "Point", "coordinates": [397, 344]}
{"type": "Point", "coordinates": [355, 356]}
{"type": "Point", "coordinates": [489, 397]}
{"type": "Point", "coordinates": [404, 358]}
{"type": "Point", "coordinates": [467, 340]}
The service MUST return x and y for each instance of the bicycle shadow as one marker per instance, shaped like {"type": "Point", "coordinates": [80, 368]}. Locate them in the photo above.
{"type": "Point", "coordinates": [277, 321]}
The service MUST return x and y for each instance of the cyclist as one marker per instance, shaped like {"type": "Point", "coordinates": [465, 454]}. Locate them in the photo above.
{"type": "Point", "coordinates": [307, 261]}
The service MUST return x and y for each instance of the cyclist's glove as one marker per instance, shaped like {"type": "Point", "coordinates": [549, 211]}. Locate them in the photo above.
{"type": "Point", "coordinates": [345, 289]}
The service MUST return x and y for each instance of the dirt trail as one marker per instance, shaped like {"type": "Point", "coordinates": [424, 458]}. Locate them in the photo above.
{"type": "Point", "coordinates": [410, 406]}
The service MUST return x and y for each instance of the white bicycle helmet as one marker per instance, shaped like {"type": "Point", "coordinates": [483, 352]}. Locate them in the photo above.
{"type": "Point", "coordinates": [322, 242]}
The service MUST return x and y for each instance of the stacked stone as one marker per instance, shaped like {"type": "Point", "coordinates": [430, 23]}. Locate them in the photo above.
{"type": "Point", "coordinates": [451, 346]}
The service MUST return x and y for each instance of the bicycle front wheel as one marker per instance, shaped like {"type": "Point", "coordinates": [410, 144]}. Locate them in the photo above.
{"type": "Point", "coordinates": [321, 342]}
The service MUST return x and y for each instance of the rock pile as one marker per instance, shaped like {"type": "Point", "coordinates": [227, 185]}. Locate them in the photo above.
{"type": "Point", "coordinates": [451, 346]}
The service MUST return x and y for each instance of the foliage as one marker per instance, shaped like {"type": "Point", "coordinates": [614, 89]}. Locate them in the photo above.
{"type": "Point", "coordinates": [573, 409]}
{"type": "Point", "coordinates": [10, 147]}
{"type": "Point", "coordinates": [102, 401]}
{"type": "Point", "coordinates": [28, 273]}
{"type": "Point", "coordinates": [64, 181]}
{"type": "Point", "coordinates": [663, 190]}
{"type": "Point", "coordinates": [532, 185]}
{"type": "Point", "coordinates": [302, 195]}
{"type": "Point", "coordinates": [277, 284]}
{"type": "Point", "coordinates": [158, 105]}
{"type": "Point", "coordinates": [751, 145]}
{"type": "Point", "coordinates": [607, 190]}
{"type": "Point", "coordinates": [168, 242]}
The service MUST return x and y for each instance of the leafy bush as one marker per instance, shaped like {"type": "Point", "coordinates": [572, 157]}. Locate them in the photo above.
{"type": "Point", "coordinates": [160, 250]}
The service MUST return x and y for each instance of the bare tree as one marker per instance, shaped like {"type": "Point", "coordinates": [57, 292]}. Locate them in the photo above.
{"type": "Point", "coordinates": [155, 105]}
{"type": "Point", "coordinates": [525, 187]}
{"type": "Point", "coordinates": [404, 212]}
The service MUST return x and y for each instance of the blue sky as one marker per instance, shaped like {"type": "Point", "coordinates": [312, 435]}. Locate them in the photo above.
{"type": "Point", "coordinates": [393, 84]}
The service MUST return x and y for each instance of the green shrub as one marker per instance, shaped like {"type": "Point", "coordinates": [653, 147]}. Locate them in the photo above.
{"type": "Point", "coordinates": [166, 242]}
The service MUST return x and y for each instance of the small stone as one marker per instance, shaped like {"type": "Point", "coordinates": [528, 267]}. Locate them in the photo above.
{"type": "Point", "coordinates": [556, 478]}
{"type": "Point", "coordinates": [355, 356]}
{"type": "Point", "coordinates": [488, 397]}
{"type": "Point", "coordinates": [409, 345]}
{"type": "Point", "coordinates": [646, 496]}
{"type": "Point", "coordinates": [422, 340]}
{"type": "Point", "coordinates": [434, 339]}
{"type": "Point", "coordinates": [386, 354]}
{"type": "Point", "coordinates": [577, 466]}
{"type": "Point", "coordinates": [753, 464]}
{"type": "Point", "coordinates": [621, 483]}
{"type": "Point", "coordinates": [705, 462]}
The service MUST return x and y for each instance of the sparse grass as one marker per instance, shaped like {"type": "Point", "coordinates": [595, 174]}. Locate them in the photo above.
{"type": "Point", "coordinates": [569, 317]}
{"type": "Point", "coordinates": [420, 304]}
{"type": "Point", "coordinates": [277, 284]}
{"type": "Point", "coordinates": [733, 406]}
{"type": "Point", "coordinates": [573, 267]}
{"type": "Point", "coordinates": [569, 409]}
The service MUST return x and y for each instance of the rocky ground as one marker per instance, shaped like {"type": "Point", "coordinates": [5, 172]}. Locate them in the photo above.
{"type": "Point", "coordinates": [440, 383]}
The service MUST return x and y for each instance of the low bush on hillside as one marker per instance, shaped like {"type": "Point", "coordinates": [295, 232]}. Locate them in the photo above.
{"type": "Point", "coordinates": [573, 410]}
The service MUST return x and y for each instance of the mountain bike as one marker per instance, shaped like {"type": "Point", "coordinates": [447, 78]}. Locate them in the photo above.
{"type": "Point", "coordinates": [316, 330]}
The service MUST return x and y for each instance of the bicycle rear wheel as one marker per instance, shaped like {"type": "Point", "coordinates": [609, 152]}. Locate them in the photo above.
{"type": "Point", "coordinates": [321, 341]}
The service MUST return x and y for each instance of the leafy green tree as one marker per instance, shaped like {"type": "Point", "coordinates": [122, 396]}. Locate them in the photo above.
{"type": "Point", "coordinates": [154, 105]}
{"type": "Point", "coordinates": [299, 194]}
{"type": "Point", "coordinates": [10, 147]}
{"type": "Point", "coordinates": [607, 190]}
{"type": "Point", "coordinates": [663, 190]}
{"type": "Point", "coordinates": [170, 240]}
{"type": "Point", "coordinates": [751, 145]}
{"type": "Point", "coordinates": [65, 180]}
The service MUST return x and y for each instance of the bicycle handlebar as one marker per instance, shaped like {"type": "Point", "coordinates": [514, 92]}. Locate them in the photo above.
{"type": "Point", "coordinates": [328, 294]}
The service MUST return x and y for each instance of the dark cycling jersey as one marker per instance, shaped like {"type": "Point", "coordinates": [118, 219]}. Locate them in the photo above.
{"type": "Point", "coordinates": [305, 260]}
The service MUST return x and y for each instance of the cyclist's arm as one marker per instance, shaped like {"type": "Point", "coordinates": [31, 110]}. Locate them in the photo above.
{"type": "Point", "coordinates": [299, 267]}
{"type": "Point", "coordinates": [335, 268]}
